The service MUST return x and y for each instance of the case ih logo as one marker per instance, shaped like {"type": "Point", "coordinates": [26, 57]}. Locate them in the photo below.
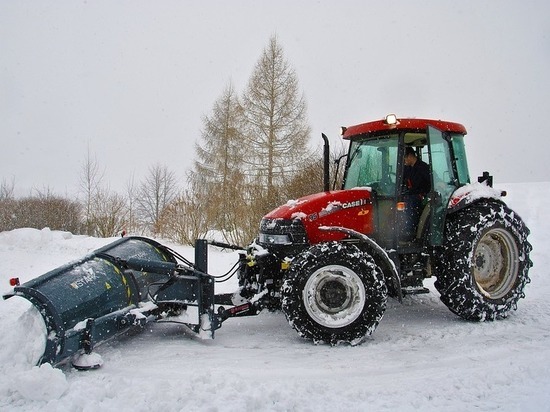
{"type": "Point", "coordinates": [355, 203]}
{"type": "Point", "coordinates": [334, 207]}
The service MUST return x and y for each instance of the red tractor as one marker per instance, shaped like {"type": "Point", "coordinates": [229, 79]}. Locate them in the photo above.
{"type": "Point", "coordinates": [330, 260]}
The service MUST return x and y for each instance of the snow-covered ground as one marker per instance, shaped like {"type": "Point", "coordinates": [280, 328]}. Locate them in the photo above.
{"type": "Point", "coordinates": [421, 357]}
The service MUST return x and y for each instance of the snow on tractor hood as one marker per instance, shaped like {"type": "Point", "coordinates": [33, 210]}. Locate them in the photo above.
{"type": "Point", "coordinates": [346, 208]}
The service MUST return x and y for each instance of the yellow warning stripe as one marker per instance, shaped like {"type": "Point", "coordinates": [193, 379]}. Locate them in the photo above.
{"type": "Point", "coordinates": [124, 282]}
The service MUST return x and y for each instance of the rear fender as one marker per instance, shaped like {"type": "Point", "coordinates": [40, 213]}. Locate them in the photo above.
{"type": "Point", "coordinates": [471, 193]}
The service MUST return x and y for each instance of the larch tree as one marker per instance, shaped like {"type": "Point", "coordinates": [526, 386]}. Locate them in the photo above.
{"type": "Point", "coordinates": [217, 176]}
{"type": "Point", "coordinates": [277, 131]}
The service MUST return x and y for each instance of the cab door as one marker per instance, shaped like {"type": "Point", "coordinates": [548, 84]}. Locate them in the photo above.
{"type": "Point", "coordinates": [444, 182]}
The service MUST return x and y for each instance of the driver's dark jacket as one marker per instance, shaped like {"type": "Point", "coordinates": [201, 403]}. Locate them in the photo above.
{"type": "Point", "coordinates": [416, 179]}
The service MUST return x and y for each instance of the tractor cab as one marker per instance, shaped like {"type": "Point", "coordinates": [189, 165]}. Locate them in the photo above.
{"type": "Point", "coordinates": [376, 160]}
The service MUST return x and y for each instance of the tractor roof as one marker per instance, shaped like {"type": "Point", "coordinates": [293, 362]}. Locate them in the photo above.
{"type": "Point", "coordinates": [393, 123]}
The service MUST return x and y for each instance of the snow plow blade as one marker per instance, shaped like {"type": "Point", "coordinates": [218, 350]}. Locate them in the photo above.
{"type": "Point", "coordinates": [121, 285]}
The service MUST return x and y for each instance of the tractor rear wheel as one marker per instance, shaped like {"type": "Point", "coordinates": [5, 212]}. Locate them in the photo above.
{"type": "Point", "coordinates": [484, 264]}
{"type": "Point", "coordinates": [334, 293]}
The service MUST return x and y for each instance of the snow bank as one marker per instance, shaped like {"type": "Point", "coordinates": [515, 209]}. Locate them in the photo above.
{"type": "Point", "coordinates": [42, 383]}
{"type": "Point", "coordinates": [25, 341]}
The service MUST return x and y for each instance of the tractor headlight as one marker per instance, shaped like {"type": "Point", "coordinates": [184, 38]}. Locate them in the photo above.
{"type": "Point", "coordinates": [268, 239]}
{"type": "Point", "coordinates": [391, 119]}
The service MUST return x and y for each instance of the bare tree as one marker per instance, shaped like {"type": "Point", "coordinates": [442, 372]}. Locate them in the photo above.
{"type": "Point", "coordinates": [8, 214]}
{"type": "Point", "coordinates": [183, 220]}
{"type": "Point", "coordinates": [108, 216]}
{"type": "Point", "coordinates": [310, 179]}
{"type": "Point", "coordinates": [217, 175]}
{"type": "Point", "coordinates": [7, 189]}
{"type": "Point", "coordinates": [132, 224]}
{"type": "Point", "coordinates": [90, 183]}
{"type": "Point", "coordinates": [277, 131]}
{"type": "Point", "coordinates": [155, 193]}
{"type": "Point", "coordinates": [45, 210]}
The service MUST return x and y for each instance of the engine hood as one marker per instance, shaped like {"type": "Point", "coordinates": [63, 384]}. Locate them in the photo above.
{"type": "Point", "coordinates": [345, 208]}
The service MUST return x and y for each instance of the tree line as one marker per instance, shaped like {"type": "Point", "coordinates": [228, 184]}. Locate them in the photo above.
{"type": "Point", "coordinates": [253, 154]}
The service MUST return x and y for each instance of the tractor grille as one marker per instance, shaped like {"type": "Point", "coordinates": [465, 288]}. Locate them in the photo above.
{"type": "Point", "coordinates": [283, 236]}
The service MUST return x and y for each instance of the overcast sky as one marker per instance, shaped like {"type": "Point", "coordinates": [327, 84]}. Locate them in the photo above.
{"type": "Point", "coordinates": [130, 81]}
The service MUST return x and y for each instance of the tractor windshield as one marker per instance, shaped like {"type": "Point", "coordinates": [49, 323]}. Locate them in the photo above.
{"type": "Point", "coordinates": [372, 163]}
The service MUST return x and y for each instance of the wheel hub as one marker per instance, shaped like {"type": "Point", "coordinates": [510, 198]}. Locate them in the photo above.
{"type": "Point", "coordinates": [495, 263]}
{"type": "Point", "coordinates": [334, 296]}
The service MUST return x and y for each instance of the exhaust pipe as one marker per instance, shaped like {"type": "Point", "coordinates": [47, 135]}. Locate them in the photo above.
{"type": "Point", "coordinates": [326, 164]}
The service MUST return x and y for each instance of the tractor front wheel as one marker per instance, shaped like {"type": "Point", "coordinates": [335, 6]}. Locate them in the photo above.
{"type": "Point", "coordinates": [334, 293]}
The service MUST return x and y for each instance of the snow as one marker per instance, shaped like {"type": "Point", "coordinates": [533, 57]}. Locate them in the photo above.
{"type": "Point", "coordinates": [421, 357]}
{"type": "Point", "coordinates": [474, 191]}
{"type": "Point", "coordinates": [298, 215]}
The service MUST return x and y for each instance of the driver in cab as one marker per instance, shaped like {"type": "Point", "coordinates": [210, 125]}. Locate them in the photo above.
{"type": "Point", "coordinates": [416, 185]}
